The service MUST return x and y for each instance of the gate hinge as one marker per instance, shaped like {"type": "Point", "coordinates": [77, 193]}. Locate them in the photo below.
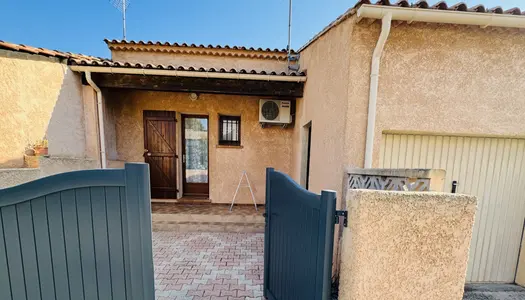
{"type": "Point", "coordinates": [341, 213]}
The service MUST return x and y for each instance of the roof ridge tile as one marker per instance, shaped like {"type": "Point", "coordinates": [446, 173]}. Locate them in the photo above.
{"type": "Point", "coordinates": [185, 45]}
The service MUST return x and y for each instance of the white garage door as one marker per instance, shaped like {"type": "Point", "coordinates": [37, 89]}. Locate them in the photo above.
{"type": "Point", "coordinates": [492, 169]}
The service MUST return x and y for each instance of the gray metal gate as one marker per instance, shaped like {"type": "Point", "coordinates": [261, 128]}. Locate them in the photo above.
{"type": "Point", "coordinates": [78, 235]}
{"type": "Point", "coordinates": [299, 240]}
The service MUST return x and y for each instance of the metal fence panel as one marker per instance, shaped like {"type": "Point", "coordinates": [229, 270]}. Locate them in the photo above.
{"type": "Point", "coordinates": [78, 235]}
{"type": "Point", "coordinates": [298, 240]}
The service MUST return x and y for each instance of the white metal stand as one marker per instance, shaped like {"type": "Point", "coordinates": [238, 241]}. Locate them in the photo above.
{"type": "Point", "coordinates": [248, 186]}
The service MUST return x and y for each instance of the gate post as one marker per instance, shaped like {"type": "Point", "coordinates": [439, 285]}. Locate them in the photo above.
{"type": "Point", "coordinates": [326, 240]}
{"type": "Point", "coordinates": [405, 245]}
{"type": "Point", "coordinates": [267, 212]}
{"type": "Point", "coordinates": [137, 210]}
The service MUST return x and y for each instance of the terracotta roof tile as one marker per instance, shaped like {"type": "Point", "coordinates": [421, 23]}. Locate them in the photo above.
{"type": "Point", "coordinates": [443, 5]}
{"type": "Point", "coordinates": [32, 50]}
{"type": "Point", "coordinates": [86, 60]}
{"type": "Point", "coordinates": [421, 4]}
{"type": "Point", "coordinates": [496, 10]}
{"type": "Point", "coordinates": [42, 51]}
{"type": "Point", "coordinates": [184, 45]}
{"type": "Point", "coordinates": [117, 64]}
{"type": "Point", "coordinates": [461, 6]}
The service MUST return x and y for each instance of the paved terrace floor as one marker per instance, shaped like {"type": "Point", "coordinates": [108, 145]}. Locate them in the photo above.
{"type": "Point", "coordinates": [229, 265]}
{"type": "Point", "coordinates": [200, 265]}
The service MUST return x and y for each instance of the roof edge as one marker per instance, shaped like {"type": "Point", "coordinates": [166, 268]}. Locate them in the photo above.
{"type": "Point", "coordinates": [327, 28]}
{"type": "Point", "coordinates": [422, 5]}
{"type": "Point", "coordinates": [191, 72]}
{"type": "Point", "coordinates": [114, 42]}
{"type": "Point", "coordinates": [116, 66]}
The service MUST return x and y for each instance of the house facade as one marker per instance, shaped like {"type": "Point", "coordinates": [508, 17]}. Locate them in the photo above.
{"type": "Point", "coordinates": [383, 86]}
{"type": "Point", "coordinates": [136, 115]}
{"type": "Point", "coordinates": [187, 126]}
{"type": "Point", "coordinates": [448, 97]}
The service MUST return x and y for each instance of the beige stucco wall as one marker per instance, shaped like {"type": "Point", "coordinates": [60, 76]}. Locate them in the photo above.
{"type": "Point", "coordinates": [206, 61]}
{"type": "Point", "coordinates": [434, 78]}
{"type": "Point", "coordinates": [405, 245]}
{"type": "Point", "coordinates": [90, 122]}
{"type": "Point", "coordinates": [110, 134]}
{"type": "Point", "coordinates": [324, 104]}
{"type": "Point", "coordinates": [16, 176]}
{"type": "Point", "coordinates": [47, 166]}
{"type": "Point", "coordinates": [441, 79]}
{"type": "Point", "coordinates": [55, 165]}
{"type": "Point", "coordinates": [261, 147]}
{"type": "Point", "coordinates": [40, 97]}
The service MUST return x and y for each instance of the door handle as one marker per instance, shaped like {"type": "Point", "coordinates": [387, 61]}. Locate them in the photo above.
{"type": "Point", "coordinates": [148, 154]}
{"type": "Point", "coordinates": [183, 158]}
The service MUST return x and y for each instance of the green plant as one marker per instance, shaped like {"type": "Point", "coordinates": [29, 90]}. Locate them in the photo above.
{"type": "Point", "coordinates": [40, 144]}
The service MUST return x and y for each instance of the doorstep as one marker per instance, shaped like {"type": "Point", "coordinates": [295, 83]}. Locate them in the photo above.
{"type": "Point", "coordinates": [183, 200]}
{"type": "Point", "coordinates": [206, 218]}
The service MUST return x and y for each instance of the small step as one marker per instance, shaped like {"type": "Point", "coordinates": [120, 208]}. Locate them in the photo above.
{"type": "Point", "coordinates": [183, 226]}
{"type": "Point", "coordinates": [209, 218]}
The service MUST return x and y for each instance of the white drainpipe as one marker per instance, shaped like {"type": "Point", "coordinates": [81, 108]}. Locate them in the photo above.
{"type": "Point", "coordinates": [374, 83]}
{"type": "Point", "coordinates": [100, 114]}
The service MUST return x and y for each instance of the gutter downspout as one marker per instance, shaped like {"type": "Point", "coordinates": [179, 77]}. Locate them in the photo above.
{"type": "Point", "coordinates": [374, 83]}
{"type": "Point", "coordinates": [100, 114]}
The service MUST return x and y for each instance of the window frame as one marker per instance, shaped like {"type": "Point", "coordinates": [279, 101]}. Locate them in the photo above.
{"type": "Point", "coordinates": [227, 142]}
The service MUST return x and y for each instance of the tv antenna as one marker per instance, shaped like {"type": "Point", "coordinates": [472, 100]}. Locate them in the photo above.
{"type": "Point", "coordinates": [121, 5]}
{"type": "Point", "coordinates": [291, 57]}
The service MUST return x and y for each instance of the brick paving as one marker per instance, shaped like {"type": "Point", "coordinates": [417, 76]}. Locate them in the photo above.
{"type": "Point", "coordinates": [202, 265]}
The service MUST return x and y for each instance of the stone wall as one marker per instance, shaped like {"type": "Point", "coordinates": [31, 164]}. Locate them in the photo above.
{"type": "Point", "coordinates": [405, 245]}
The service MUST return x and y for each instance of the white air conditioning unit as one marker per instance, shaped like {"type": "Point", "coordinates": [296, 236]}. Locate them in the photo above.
{"type": "Point", "coordinates": [275, 111]}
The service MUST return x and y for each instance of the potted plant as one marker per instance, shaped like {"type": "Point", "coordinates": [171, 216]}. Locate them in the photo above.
{"type": "Point", "coordinates": [40, 147]}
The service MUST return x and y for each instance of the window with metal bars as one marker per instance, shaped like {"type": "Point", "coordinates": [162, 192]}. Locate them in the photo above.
{"type": "Point", "coordinates": [230, 130]}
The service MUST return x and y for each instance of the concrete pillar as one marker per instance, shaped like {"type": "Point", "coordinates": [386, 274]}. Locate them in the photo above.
{"type": "Point", "coordinates": [405, 245]}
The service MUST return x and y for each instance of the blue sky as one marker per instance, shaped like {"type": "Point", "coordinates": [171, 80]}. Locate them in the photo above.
{"type": "Point", "coordinates": [81, 26]}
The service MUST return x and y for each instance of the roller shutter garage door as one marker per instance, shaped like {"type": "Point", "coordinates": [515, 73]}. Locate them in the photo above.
{"type": "Point", "coordinates": [491, 169]}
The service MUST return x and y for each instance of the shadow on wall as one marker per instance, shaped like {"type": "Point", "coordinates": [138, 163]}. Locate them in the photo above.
{"type": "Point", "coordinates": [66, 131]}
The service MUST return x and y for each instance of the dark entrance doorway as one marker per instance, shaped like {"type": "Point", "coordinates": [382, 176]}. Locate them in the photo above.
{"type": "Point", "coordinates": [195, 155]}
{"type": "Point", "coordinates": [160, 152]}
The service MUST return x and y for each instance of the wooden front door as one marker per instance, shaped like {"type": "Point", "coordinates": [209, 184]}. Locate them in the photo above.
{"type": "Point", "coordinates": [160, 152]}
{"type": "Point", "coordinates": [195, 155]}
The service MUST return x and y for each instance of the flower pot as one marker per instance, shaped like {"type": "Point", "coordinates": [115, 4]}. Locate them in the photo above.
{"type": "Point", "coordinates": [30, 152]}
{"type": "Point", "coordinates": [40, 151]}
